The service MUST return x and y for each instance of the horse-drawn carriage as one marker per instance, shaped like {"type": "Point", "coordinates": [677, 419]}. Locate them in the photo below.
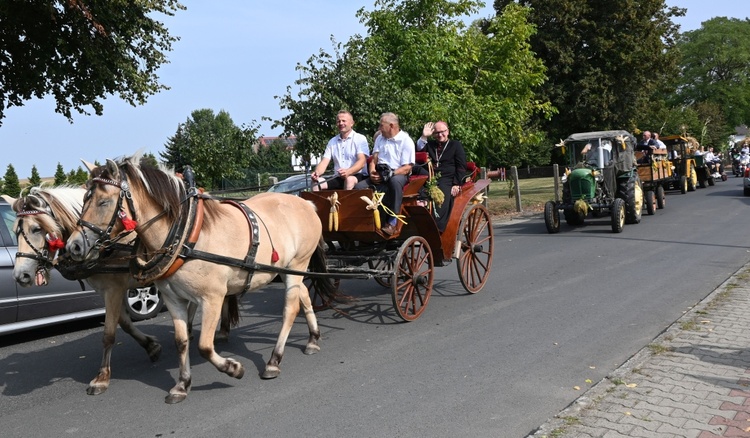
{"type": "Point", "coordinates": [199, 249]}
{"type": "Point", "coordinates": [405, 261]}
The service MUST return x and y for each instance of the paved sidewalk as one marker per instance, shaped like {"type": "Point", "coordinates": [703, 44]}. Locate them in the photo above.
{"type": "Point", "coordinates": [692, 381]}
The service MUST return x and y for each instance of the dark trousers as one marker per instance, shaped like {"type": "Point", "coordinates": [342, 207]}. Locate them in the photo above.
{"type": "Point", "coordinates": [443, 212]}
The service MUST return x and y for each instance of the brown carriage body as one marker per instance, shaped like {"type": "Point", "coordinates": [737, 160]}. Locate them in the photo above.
{"type": "Point", "coordinates": [404, 261]}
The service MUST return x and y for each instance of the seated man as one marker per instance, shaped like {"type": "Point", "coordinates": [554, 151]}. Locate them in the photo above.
{"type": "Point", "coordinates": [646, 145]}
{"type": "Point", "coordinates": [389, 169]}
{"type": "Point", "coordinates": [349, 151]}
{"type": "Point", "coordinates": [449, 158]}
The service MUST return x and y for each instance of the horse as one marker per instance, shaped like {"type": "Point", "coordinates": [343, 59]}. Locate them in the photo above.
{"type": "Point", "coordinates": [199, 249]}
{"type": "Point", "coordinates": [44, 219]}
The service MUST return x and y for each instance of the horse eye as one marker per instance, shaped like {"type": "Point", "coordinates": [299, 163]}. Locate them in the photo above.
{"type": "Point", "coordinates": [103, 203]}
{"type": "Point", "coordinates": [36, 230]}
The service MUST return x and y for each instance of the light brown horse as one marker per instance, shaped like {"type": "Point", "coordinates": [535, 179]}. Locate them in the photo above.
{"type": "Point", "coordinates": [281, 233]}
{"type": "Point", "coordinates": [49, 214]}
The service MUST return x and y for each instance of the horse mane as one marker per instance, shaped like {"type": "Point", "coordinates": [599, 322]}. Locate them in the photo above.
{"type": "Point", "coordinates": [164, 186]}
{"type": "Point", "coordinates": [64, 202]}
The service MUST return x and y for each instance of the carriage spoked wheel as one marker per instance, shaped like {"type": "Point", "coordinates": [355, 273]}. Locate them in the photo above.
{"type": "Point", "coordinates": [412, 278]}
{"type": "Point", "coordinates": [318, 303]}
{"type": "Point", "coordinates": [475, 256]}
{"type": "Point", "coordinates": [383, 265]}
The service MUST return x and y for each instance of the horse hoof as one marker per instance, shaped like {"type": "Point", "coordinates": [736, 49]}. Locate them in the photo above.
{"type": "Point", "coordinates": [221, 337]}
{"type": "Point", "coordinates": [96, 390]}
{"type": "Point", "coordinates": [174, 398]}
{"type": "Point", "coordinates": [270, 373]}
{"type": "Point", "coordinates": [312, 349]}
{"type": "Point", "coordinates": [234, 369]}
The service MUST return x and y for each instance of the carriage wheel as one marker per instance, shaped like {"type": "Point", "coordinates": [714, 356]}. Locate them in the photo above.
{"type": "Point", "coordinates": [412, 278]}
{"type": "Point", "coordinates": [318, 303]}
{"type": "Point", "coordinates": [476, 240]}
{"type": "Point", "coordinates": [383, 265]}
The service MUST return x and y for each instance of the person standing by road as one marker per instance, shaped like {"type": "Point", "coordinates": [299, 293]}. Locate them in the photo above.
{"type": "Point", "coordinates": [349, 151]}
{"type": "Point", "coordinates": [389, 169]}
{"type": "Point", "coordinates": [449, 160]}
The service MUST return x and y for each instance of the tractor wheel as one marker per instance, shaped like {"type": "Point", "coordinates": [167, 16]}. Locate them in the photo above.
{"type": "Point", "coordinates": [631, 192]}
{"type": "Point", "coordinates": [684, 185]}
{"type": "Point", "coordinates": [650, 202]}
{"type": "Point", "coordinates": [551, 217]}
{"type": "Point", "coordinates": [710, 181]}
{"type": "Point", "coordinates": [618, 215]}
{"type": "Point", "coordinates": [692, 180]}
{"type": "Point", "coordinates": [746, 191]}
{"type": "Point", "coordinates": [661, 198]}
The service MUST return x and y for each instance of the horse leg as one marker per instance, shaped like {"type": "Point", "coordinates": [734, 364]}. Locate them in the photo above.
{"type": "Point", "coordinates": [291, 309]}
{"type": "Point", "coordinates": [192, 310]}
{"type": "Point", "coordinates": [313, 345]}
{"type": "Point", "coordinates": [113, 306]}
{"type": "Point", "coordinates": [179, 311]}
{"type": "Point", "coordinates": [211, 313]}
{"type": "Point", "coordinates": [223, 334]}
{"type": "Point", "coordinates": [148, 342]}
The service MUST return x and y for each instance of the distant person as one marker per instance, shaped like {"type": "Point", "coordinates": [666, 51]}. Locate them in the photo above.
{"type": "Point", "coordinates": [646, 145]}
{"type": "Point", "coordinates": [659, 144]}
{"type": "Point", "coordinates": [349, 151]}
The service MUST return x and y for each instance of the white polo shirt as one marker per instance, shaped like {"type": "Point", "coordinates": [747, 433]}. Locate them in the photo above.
{"type": "Point", "coordinates": [343, 152]}
{"type": "Point", "coordinates": [395, 151]}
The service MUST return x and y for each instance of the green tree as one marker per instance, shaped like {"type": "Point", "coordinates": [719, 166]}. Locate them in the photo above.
{"type": "Point", "coordinates": [82, 51]}
{"type": "Point", "coordinates": [605, 59]}
{"type": "Point", "coordinates": [422, 62]}
{"type": "Point", "coordinates": [35, 180]}
{"type": "Point", "coordinates": [715, 66]}
{"type": "Point", "coordinates": [60, 177]}
{"type": "Point", "coordinates": [11, 184]}
{"type": "Point", "coordinates": [176, 150]}
{"type": "Point", "coordinates": [213, 145]}
{"type": "Point", "coordinates": [273, 158]}
{"type": "Point", "coordinates": [78, 177]}
{"type": "Point", "coordinates": [150, 159]}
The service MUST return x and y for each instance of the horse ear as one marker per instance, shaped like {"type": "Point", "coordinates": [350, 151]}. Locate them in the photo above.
{"type": "Point", "coordinates": [112, 169]}
{"type": "Point", "coordinates": [10, 200]}
{"type": "Point", "coordinates": [89, 166]}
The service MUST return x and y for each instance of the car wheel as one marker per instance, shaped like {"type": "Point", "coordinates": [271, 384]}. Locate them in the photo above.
{"type": "Point", "coordinates": [144, 302]}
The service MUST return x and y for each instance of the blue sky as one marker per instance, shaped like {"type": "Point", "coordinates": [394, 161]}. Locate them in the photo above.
{"type": "Point", "coordinates": [234, 55]}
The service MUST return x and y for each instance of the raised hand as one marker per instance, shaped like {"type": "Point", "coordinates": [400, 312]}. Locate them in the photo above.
{"type": "Point", "coordinates": [428, 129]}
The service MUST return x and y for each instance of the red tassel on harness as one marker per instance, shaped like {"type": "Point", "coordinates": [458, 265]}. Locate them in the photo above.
{"type": "Point", "coordinates": [274, 256]}
{"type": "Point", "coordinates": [128, 223]}
{"type": "Point", "coordinates": [54, 242]}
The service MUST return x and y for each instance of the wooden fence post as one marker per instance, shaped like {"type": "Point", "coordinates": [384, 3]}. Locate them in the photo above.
{"type": "Point", "coordinates": [514, 175]}
{"type": "Point", "coordinates": [556, 177]}
{"type": "Point", "coordinates": [483, 175]}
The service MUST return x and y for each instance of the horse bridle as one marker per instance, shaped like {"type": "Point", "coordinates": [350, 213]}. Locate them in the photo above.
{"type": "Point", "coordinates": [42, 256]}
{"type": "Point", "coordinates": [103, 240]}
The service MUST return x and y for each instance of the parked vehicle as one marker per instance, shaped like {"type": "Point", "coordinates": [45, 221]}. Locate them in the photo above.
{"type": "Point", "coordinates": [602, 179]}
{"type": "Point", "coordinates": [296, 184]}
{"type": "Point", "coordinates": [61, 300]}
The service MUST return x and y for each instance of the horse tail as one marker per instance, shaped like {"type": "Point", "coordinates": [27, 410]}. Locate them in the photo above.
{"type": "Point", "coordinates": [233, 310]}
{"type": "Point", "coordinates": [325, 286]}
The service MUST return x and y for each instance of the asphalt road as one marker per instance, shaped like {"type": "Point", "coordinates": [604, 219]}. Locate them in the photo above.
{"type": "Point", "coordinates": [560, 311]}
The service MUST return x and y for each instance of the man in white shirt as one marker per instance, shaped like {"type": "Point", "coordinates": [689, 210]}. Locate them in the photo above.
{"type": "Point", "coordinates": [349, 151]}
{"type": "Point", "coordinates": [389, 169]}
{"type": "Point", "coordinates": [659, 144]}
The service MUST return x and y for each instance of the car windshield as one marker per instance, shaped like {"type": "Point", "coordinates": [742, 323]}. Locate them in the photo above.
{"type": "Point", "coordinates": [292, 184]}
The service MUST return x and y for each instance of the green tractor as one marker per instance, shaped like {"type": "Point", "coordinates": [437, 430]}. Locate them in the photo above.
{"type": "Point", "coordinates": [602, 179]}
